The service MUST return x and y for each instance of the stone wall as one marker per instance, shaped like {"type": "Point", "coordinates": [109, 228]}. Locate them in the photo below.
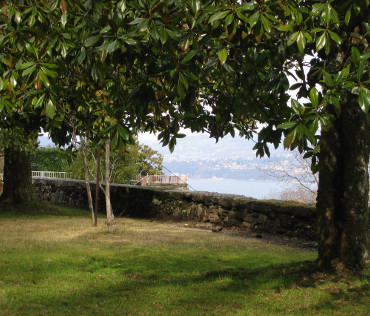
{"type": "Point", "coordinates": [275, 217]}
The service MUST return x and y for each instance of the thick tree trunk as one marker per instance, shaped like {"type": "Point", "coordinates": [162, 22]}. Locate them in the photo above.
{"type": "Point", "coordinates": [17, 176]}
{"type": "Point", "coordinates": [108, 205]}
{"type": "Point", "coordinates": [343, 194]}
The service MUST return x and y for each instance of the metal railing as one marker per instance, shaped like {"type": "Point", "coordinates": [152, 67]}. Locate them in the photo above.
{"type": "Point", "coordinates": [52, 174]}
{"type": "Point", "coordinates": [161, 179]}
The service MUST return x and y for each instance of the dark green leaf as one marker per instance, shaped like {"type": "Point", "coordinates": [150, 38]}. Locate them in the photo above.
{"type": "Point", "coordinates": [301, 42]}
{"type": "Point", "coordinates": [25, 65]}
{"type": "Point", "coordinates": [287, 125]}
{"type": "Point", "coordinates": [292, 38]}
{"type": "Point", "coordinates": [365, 56]}
{"type": "Point", "coordinates": [314, 97]}
{"type": "Point", "coordinates": [39, 101]}
{"type": "Point", "coordinates": [320, 42]}
{"type": "Point", "coordinates": [109, 111]}
{"type": "Point", "coordinates": [189, 56]}
{"type": "Point", "coordinates": [92, 40]}
{"type": "Point", "coordinates": [266, 24]}
{"type": "Point", "coordinates": [360, 69]}
{"type": "Point", "coordinates": [43, 78]}
{"type": "Point", "coordinates": [253, 19]}
{"type": "Point", "coordinates": [347, 17]}
{"type": "Point", "coordinates": [364, 99]}
{"type": "Point", "coordinates": [50, 109]}
{"type": "Point", "coordinates": [105, 29]}
{"type": "Point", "coordinates": [218, 16]}
{"type": "Point", "coordinates": [29, 70]}
{"type": "Point", "coordinates": [48, 72]}
{"type": "Point", "coordinates": [355, 54]}
{"type": "Point", "coordinates": [335, 37]}
{"type": "Point", "coordinates": [123, 132]}
{"type": "Point", "coordinates": [327, 79]}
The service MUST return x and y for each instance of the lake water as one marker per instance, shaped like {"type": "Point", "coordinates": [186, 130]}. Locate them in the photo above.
{"type": "Point", "coordinates": [258, 189]}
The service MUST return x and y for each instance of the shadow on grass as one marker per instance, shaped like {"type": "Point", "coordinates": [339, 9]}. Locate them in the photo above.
{"type": "Point", "coordinates": [36, 208]}
{"type": "Point", "coordinates": [140, 285]}
{"type": "Point", "coordinates": [212, 292]}
{"type": "Point", "coordinates": [87, 276]}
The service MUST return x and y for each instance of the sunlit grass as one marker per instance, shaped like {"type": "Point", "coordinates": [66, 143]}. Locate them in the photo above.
{"type": "Point", "coordinates": [60, 265]}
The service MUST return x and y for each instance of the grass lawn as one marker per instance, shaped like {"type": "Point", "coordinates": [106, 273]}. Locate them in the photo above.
{"type": "Point", "coordinates": [60, 265]}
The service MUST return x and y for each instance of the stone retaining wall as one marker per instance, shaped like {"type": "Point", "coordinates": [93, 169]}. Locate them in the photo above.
{"type": "Point", "coordinates": [274, 217]}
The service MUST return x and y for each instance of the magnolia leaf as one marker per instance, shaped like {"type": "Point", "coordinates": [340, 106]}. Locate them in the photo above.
{"type": "Point", "coordinates": [92, 40]}
{"type": "Point", "coordinates": [360, 69]}
{"type": "Point", "coordinates": [172, 144]}
{"type": "Point", "coordinates": [50, 109]}
{"type": "Point", "coordinates": [289, 139]}
{"type": "Point", "coordinates": [355, 54]}
{"type": "Point", "coordinates": [327, 78]}
{"type": "Point", "coordinates": [335, 37]}
{"type": "Point", "coordinates": [122, 5]}
{"type": "Point", "coordinates": [63, 19]}
{"type": "Point", "coordinates": [48, 72]}
{"type": "Point", "coordinates": [39, 101]}
{"type": "Point", "coordinates": [123, 132]}
{"type": "Point", "coordinates": [266, 24]}
{"type": "Point", "coordinates": [320, 42]}
{"type": "Point", "coordinates": [292, 38]}
{"type": "Point", "coordinates": [287, 125]}
{"type": "Point", "coordinates": [316, 149]}
{"type": "Point", "coordinates": [43, 78]}
{"type": "Point", "coordinates": [314, 97]}
{"type": "Point", "coordinates": [105, 29]}
{"type": "Point", "coordinates": [24, 66]}
{"type": "Point", "coordinates": [252, 20]}
{"type": "Point", "coordinates": [29, 70]}
{"type": "Point", "coordinates": [301, 42]}
{"type": "Point", "coordinates": [222, 55]}
{"type": "Point", "coordinates": [189, 56]}
{"type": "Point", "coordinates": [364, 99]}
{"type": "Point", "coordinates": [112, 46]}
{"type": "Point", "coordinates": [218, 16]}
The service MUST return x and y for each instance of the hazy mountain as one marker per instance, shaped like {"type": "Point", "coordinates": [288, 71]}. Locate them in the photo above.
{"type": "Point", "coordinates": [201, 157]}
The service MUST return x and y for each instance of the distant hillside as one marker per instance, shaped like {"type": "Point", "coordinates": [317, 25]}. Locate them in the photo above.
{"type": "Point", "coordinates": [198, 156]}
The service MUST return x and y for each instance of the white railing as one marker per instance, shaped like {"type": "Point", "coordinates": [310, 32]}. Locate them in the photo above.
{"type": "Point", "coordinates": [161, 179]}
{"type": "Point", "coordinates": [51, 174]}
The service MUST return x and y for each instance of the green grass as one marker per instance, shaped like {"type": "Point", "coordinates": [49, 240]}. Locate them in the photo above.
{"type": "Point", "coordinates": [60, 265]}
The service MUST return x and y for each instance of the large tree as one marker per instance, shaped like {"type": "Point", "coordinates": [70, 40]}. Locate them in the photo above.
{"type": "Point", "coordinates": [217, 67]}
{"type": "Point", "coordinates": [230, 61]}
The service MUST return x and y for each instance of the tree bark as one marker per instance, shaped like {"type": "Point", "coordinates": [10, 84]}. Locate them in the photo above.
{"type": "Point", "coordinates": [17, 176]}
{"type": "Point", "coordinates": [87, 182]}
{"type": "Point", "coordinates": [343, 193]}
{"type": "Point", "coordinates": [108, 205]}
{"type": "Point", "coordinates": [97, 185]}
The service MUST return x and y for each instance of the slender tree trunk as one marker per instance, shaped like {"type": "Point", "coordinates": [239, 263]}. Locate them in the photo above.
{"type": "Point", "coordinates": [97, 185]}
{"type": "Point", "coordinates": [108, 205]}
{"type": "Point", "coordinates": [343, 194]}
{"type": "Point", "coordinates": [87, 182]}
{"type": "Point", "coordinates": [17, 176]}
